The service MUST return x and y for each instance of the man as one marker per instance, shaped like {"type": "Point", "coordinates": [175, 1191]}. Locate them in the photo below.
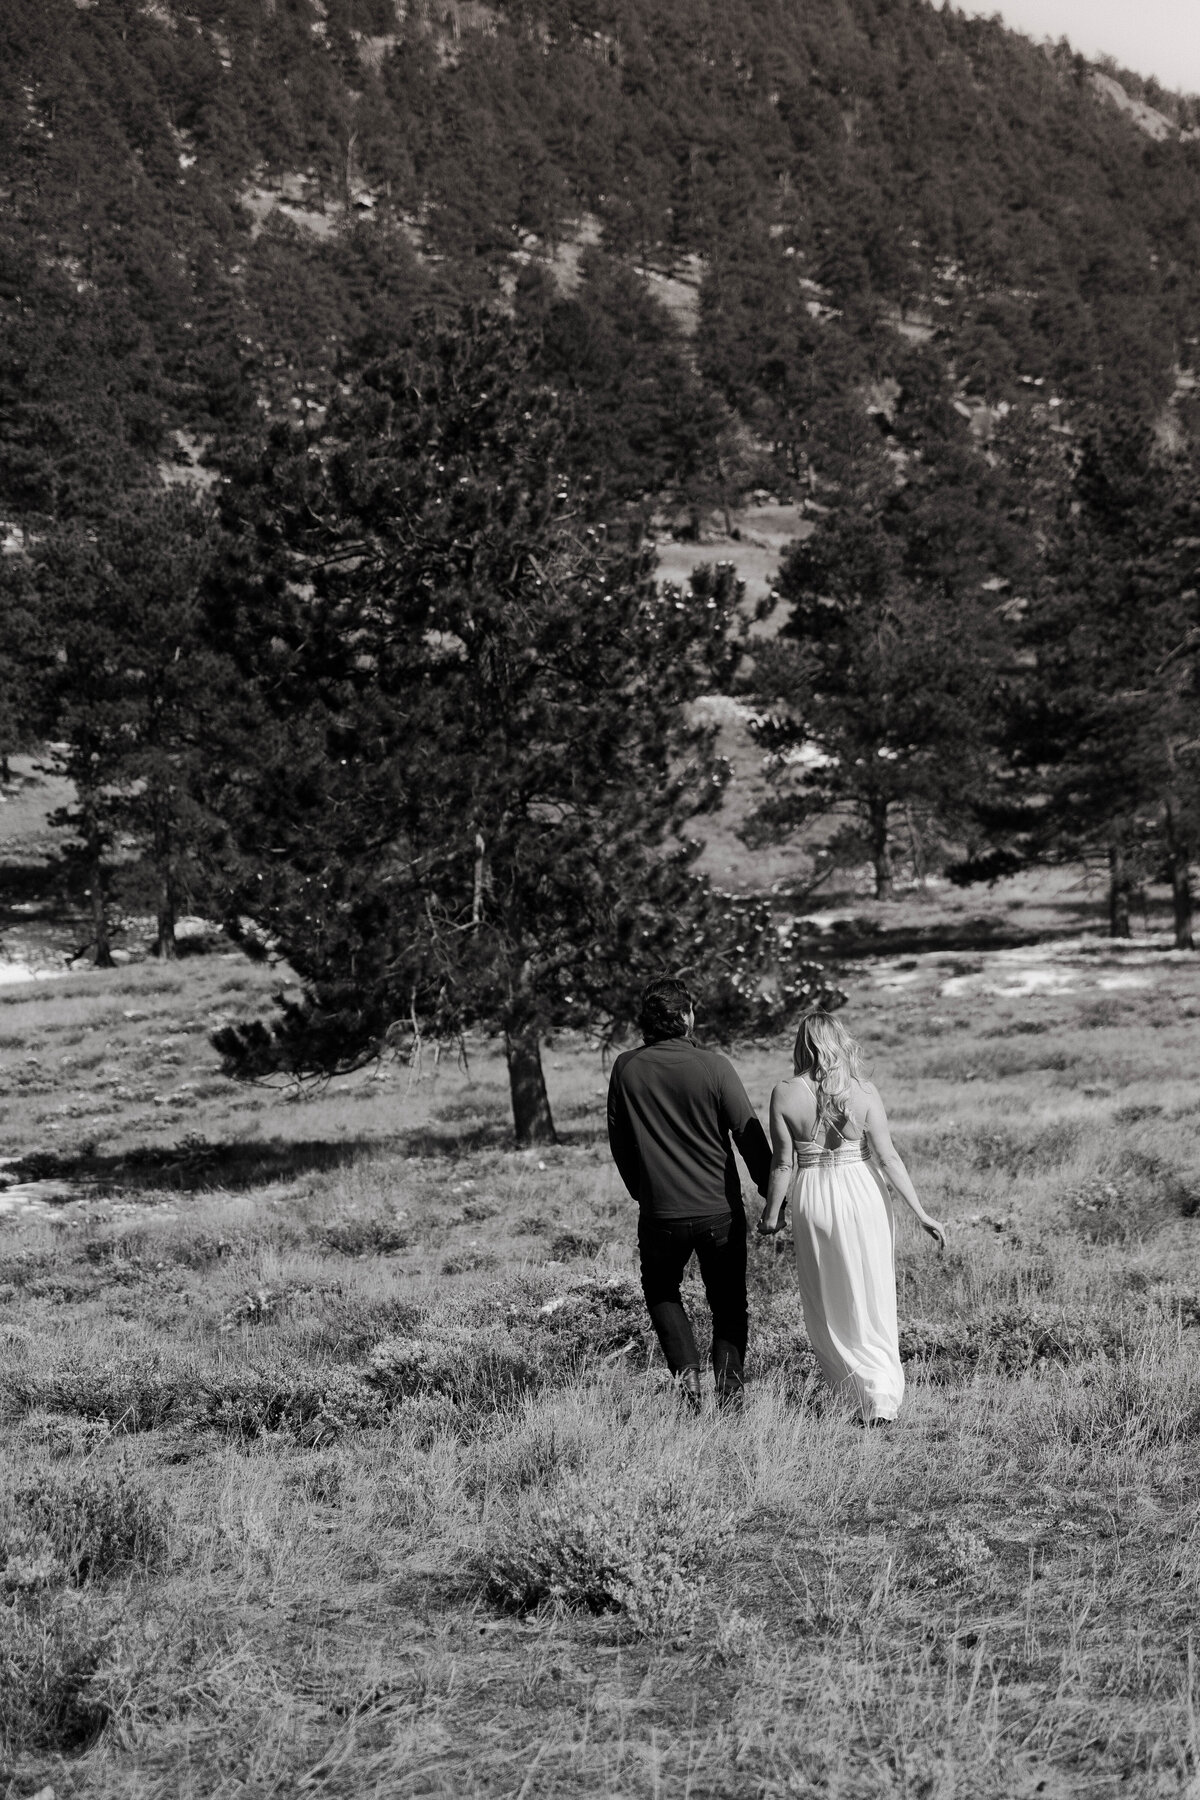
{"type": "Point", "coordinates": [673, 1110]}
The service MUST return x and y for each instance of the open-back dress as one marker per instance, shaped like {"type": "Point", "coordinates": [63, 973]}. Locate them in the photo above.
{"type": "Point", "coordinates": [844, 1231]}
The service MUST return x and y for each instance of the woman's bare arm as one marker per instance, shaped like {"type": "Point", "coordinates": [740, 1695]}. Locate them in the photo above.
{"type": "Point", "coordinates": [891, 1162]}
{"type": "Point", "coordinates": [783, 1157]}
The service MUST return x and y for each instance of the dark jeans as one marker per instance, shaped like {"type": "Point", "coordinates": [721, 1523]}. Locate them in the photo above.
{"type": "Point", "coordinates": [666, 1245]}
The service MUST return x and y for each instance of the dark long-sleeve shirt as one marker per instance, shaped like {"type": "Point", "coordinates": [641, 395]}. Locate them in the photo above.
{"type": "Point", "coordinates": [672, 1111]}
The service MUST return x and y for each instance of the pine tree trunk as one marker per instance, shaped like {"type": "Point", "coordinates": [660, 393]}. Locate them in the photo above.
{"type": "Point", "coordinates": [532, 1119]}
{"type": "Point", "coordinates": [1119, 893]}
{"type": "Point", "coordinates": [166, 946]}
{"type": "Point", "coordinates": [881, 850]}
{"type": "Point", "coordinates": [1179, 870]}
{"type": "Point", "coordinates": [1181, 903]}
{"type": "Point", "coordinates": [94, 841]}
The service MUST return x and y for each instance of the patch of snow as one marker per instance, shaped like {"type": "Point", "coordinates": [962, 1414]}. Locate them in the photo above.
{"type": "Point", "coordinates": [13, 973]}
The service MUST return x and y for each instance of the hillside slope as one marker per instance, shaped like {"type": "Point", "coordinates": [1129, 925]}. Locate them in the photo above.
{"type": "Point", "coordinates": [210, 210]}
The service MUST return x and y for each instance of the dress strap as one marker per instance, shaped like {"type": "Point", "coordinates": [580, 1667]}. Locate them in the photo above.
{"type": "Point", "coordinates": [846, 1143]}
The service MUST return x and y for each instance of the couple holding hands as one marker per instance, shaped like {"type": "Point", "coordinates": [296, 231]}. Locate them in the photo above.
{"type": "Point", "coordinates": [675, 1111]}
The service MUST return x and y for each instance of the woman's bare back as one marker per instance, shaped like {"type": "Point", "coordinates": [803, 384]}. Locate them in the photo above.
{"type": "Point", "coordinates": [797, 1106]}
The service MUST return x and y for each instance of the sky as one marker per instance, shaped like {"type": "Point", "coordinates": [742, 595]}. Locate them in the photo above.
{"type": "Point", "coordinates": [1152, 37]}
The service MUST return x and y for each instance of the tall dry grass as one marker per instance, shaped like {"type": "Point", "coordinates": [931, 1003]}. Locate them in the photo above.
{"type": "Point", "coordinates": [337, 1457]}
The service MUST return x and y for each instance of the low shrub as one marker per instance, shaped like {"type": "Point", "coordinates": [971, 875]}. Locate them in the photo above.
{"type": "Point", "coordinates": [469, 1262]}
{"type": "Point", "coordinates": [947, 1554]}
{"type": "Point", "coordinates": [24, 1266]}
{"type": "Point", "coordinates": [1133, 1202]}
{"type": "Point", "coordinates": [50, 1653]}
{"type": "Point", "coordinates": [1012, 1340]}
{"type": "Point", "coordinates": [95, 1524]}
{"type": "Point", "coordinates": [592, 1319]}
{"type": "Point", "coordinates": [317, 1405]}
{"type": "Point", "coordinates": [642, 1556]}
{"type": "Point", "coordinates": [1015, 1152]}
{"type": "Point", "coordinates": [133, 1392]}
{"type": "Point", "coordinates": [543, 1342]}
{"type": "Point", "coordinates": [1104, 1014]}
{"type": "Point", "coordinates": [345, 1325]}
{"type": "Point", "coordinates": [569, 1246]}
{"type": "Point", "coordinates": [62, 1439]}
{"type": "Point", "coordinates": [1137, 1112]}
{"type": "Point", "coordinates": [478, 1369]}
{"type": "Point", "coordinates": [322, 1479]}
{"type": "Point", "coordinates": [197, 1250]}
{"type": "Point", "coordinates": [364, 1234]}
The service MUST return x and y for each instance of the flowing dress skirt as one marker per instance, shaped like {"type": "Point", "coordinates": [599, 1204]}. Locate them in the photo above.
{"type": "Point", "coordinates": [844, 1233]}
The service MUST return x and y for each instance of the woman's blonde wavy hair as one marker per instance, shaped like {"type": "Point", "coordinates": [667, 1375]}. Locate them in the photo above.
{"type": "Point", "coordinates": [832, 1060]}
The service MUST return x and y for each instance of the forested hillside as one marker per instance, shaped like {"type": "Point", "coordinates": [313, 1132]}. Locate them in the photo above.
{"type": "Point", "coordinates": [350, 349]}
{"type": "Point", "coordinates": [211, 208]}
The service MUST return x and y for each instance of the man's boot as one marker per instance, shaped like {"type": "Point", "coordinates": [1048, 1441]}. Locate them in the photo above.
{"type": "Point", "coordinates": [688, 1383]}
{"type": "Point", "coordinates": [727, 1373]}
{"type": "Point", "coordinates": [731, 1395]}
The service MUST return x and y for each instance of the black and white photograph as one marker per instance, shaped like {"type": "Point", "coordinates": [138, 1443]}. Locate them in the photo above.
{"type": "Point", "coordinates": [599, 837]}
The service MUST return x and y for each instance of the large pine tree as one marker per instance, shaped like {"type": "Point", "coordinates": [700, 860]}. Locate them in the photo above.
{"type": "Point", "coordinates": [130, 689]}
{"type": "Point", "coordinates": [877, 690]}
{"type": "Point", "coordinates": [1104, 738]}
{"type": "Point", "coordinates": [465, 798]}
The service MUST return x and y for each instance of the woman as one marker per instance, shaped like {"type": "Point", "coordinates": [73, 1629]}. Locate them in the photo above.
{"type": "Point", "coordinates": [828, 1124]}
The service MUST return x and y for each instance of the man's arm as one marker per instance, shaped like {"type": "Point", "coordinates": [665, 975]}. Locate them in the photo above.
{"type": "Point", "coordinates": [621, 1140]}
{"type": "Point", "coordinates": [742, 1123]}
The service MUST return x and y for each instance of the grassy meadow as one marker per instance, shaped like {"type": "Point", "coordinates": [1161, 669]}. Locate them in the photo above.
{"type": "Point", "coordinates": [336, 1457]}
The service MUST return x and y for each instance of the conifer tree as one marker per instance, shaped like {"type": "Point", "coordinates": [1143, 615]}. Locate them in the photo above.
{"type": "Point", "coordinates": [878, 688]}
{"type": "Point", "coordinates": [132, 693]}
{"type": "Point", "coordinates": [22, 658]}
{"type": "Point", "coordinates": [475, 759]}
{"type": "Point", "coordinates": [1104, 740]}
{"type": "Point", "coordinates": [644, 428]}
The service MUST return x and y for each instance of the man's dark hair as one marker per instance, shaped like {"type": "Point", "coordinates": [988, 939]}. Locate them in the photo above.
{"type": "Point", "coordinates": [665, 1007]}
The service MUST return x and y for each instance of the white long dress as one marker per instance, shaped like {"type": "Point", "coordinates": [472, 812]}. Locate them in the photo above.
{"type": "Point", "coordinates": [844, 1232]}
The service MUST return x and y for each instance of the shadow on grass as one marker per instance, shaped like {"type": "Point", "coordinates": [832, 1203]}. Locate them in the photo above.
{"type": "Point", "coordinates": [860, 934]}
{"type": "Point", "coordinates": [190, 1166]}
{"type": "Point", "coordinates": [194, 1165]}
{"type": "Point", "coordinates": [431, 1141]}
